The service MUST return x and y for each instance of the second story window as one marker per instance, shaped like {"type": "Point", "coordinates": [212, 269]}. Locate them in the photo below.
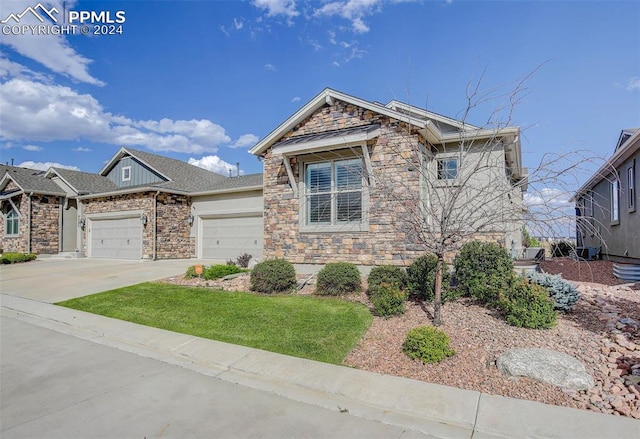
{"type": "Point", "coordinates": [126, 173]}
{"type": "Point", "coordinates": [447, 169]}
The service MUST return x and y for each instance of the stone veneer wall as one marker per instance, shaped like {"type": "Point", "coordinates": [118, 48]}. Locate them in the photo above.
{"type": "Point", "coordinates": [173, 229]}
{"type": "Point", "coordinates": [173, 240]}
{"type": "Point", "coordinates": [395, 160]}
{"type": "Point", "coordinates": [392, 155]}
{"type": "Point", "coordinates": [44, 224]}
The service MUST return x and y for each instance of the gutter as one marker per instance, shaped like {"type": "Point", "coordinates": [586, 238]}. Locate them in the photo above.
{"type": "Point", "coordinates": [226, 191]}
{"type": "Point", "coordinates": [132, 191]}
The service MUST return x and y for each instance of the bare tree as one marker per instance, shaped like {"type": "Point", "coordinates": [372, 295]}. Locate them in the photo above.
{"type": "Point", "coordinates": [473, 185]}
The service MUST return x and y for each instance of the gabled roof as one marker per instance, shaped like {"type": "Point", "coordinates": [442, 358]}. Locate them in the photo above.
{"type": "Point", "coordinates": [82, 182]}
{"type": "Point", "coordinates": [180, 176]}
{"type": "Point", "coordinates": [29, 180]}
{"type": "Point", "coordinates": [426, 122]}
{"type": "Point", "coordinates": [628, 144]}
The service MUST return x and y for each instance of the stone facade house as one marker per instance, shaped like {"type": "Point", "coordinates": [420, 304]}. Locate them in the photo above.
{"type": "Point", "coordinates": [139, 206]}
{"type": "Point", "coordinates": [340, 173]}
{"type": "Point", "coordinates": [608, 219]}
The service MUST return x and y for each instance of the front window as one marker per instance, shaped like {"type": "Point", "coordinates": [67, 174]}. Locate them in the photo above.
{"type": "Point", "coordinates": [615, 211]}
{"type": "Point", "coordinates": [126, 173]}
{"type": "Point", "coordinates": [334, 192]}
{"type": "Point", "coordinates": [447, 169]}
{"type": "Point", "coordinates": [12, 223]}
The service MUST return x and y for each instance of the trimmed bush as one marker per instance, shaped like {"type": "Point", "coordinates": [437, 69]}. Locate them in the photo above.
{"type": "Point", "coordinates": [338, 278]}
{"type": "Point", "coordinates": [387, 275]}
{"type": "Point", "coordinates": [388, 300]}
{"type": "Point", "coordinates": [483, 270]}
{"type": "Point", "coordinates": [427, 344]}
{"type": "Point", "coordinates": [218, 271]}
{"type": "Point", "coordinates": [14, 258]}
{"type": "Point", "coordinates": [422, 278]}
{"type": "Point", "coordinates": [563, 293]}
{"type": "Point", "coordinates": [273, 276]}
{"type": "Point", "coordinates": [527, 305]}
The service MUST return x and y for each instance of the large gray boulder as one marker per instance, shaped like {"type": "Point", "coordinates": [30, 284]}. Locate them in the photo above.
{"type": "Point", "coordinates": [545, 365]}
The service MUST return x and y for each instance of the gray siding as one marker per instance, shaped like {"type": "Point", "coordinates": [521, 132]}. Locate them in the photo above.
{"type": "Point", "coordinates": [618, 240]}
{"type": "Point", "coordinates": [139, 174]}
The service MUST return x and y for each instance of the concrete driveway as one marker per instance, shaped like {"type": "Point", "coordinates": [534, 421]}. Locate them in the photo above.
{"type": "Point", "coordinates": [53, 280]}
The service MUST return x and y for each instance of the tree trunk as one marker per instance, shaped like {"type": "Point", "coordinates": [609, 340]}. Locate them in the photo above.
{"type": "Point", "coordinates": [437, 294]}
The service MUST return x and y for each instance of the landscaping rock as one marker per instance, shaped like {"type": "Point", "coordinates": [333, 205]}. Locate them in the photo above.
{"type": "Point", "coordinates": [545, 365]}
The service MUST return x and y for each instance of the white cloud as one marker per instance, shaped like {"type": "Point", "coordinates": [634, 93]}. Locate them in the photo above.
{"type": "Point", "coordinates": [52, 51]}
{"type": "Point", "coordinates": [215, 164]}
{"type": "Point", "coordinates": [296, 99]}
{"type": "Point", "coordinates": [270, 67]}
{"type": "Point", "coordinates": [352, 10]}
{"type": "Point", "coordinates": [336, 63]}
{"type": "Point", "coordinates": [245, 141]}
{"type": "Point", "coordinates": [32, 148]}
{"type": "Point", "coordinates": [633, 84]}
{"type": "Point", "coordinates": [39, 112]}
{"type": "Point", "coordinates": [238, 24]}
{"type": "Point", "coordinates": [43, 166]}
{"type": "Point", "coordinates": [548, 198]}
{"type": "Point", "coordinates": [81, 149]}
{"type": "Point", "coordinates": [274, 8]}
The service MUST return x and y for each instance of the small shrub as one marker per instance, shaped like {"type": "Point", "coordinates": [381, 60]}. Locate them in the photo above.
{"type": "Point", "coordinates": [427, 344]}
{"type": "Point", "coordinates": [483, 270]}
{"type": "Point", "coordinates": [387, 275]}
{"type": "Point", "coordinates": [231, 262]}
{"type": "Point", "coordinates": [218, 271]}
{"type": "Point", "coordinates": [563, 293]}
{"type": "Point", "coordinates": [273, 276]}
{"type": "Point", "coordinates": [562, 248]}
{"type": "Point", "coordinates": [422, 279]}
{"type": "Point", "coordinates": [338, 278]}
{"type": "Point", "coordinates": [191, 272]}
{"type": "Point", "coordinates": [388, 300]}
{"type": "Point", "coordinates": [14, 258]}
{"type": "Point", "coordinates": [243, 260]}
{"type": "Point", "coordinates": [527, 305]}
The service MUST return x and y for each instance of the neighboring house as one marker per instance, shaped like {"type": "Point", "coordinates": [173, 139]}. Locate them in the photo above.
{"type": "Point", "coordinates": [324, 168]}
{"type": "Point", "coordinates": [608, 217]}
{"type": "Point", "coordinates": [139, 206]}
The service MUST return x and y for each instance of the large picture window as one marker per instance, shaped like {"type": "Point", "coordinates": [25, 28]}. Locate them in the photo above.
{"type": "Point", "coordinates": [333, 192]}
{"type": "Point", "coordinates": [12, 223]}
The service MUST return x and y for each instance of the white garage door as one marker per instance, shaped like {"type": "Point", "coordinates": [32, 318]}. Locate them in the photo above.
{"type": "Point", "coordinates": [116, 238]}
{"type": "Point", "coordinates": [228, 238]}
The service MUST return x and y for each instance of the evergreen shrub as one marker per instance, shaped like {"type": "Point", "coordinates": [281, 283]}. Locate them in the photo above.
{"type": "Point", "coordinates": [527, 305]}
{"type": "Point", "coordinates": [387, 275]}
{"type": "Point", "coordinates": [338, 278]}
{"type": "Point", "coordinates": [388, 300]}
{"type": "Point", "coordinates": [483, 270]}
{"type": "Point", "coordinates": [427, 344]}
{"type": "Point", "coordinates": [218, 271]}
{"type": "Point", "coordinates": [273, 276]}
{"type": "Point", "coordinates": [564, 294]}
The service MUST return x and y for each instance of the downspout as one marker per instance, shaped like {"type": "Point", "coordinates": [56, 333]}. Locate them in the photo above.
{"type": "Point", "coordinates": [155, 226]}
{"type": "Point", "coordinates": [29, 222]}
{"type": "Point", "coordinates": [79, 230]}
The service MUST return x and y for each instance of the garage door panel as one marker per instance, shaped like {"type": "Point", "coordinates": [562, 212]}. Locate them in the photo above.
{"type": "Point", "coordinates": [228, 238]}
{"type": "Point", "coordinates": [116, 238]}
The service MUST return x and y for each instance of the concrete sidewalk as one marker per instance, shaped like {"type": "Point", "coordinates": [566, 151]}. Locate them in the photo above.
{"type": "Point", "coordinates": [431, 409]}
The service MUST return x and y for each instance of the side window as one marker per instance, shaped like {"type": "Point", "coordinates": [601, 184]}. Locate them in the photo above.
{"type": "Point", "coordinates": [12, 223]}
{"type": "Point", "coordinates": [631, 187]}
{"type": "Point", "coordinates": [447, 169]}
{"type": "Point", "coordinates": [615, 205]}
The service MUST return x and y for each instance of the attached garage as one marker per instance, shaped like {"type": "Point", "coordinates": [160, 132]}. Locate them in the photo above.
{"type": "Point", "coordinates": [115, 238]}
{"type": "Point", "coordinates": [227, 237]}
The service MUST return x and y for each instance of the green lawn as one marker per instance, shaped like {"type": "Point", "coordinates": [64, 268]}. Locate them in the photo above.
{"type": "Point", "coordinates": [322, 329]}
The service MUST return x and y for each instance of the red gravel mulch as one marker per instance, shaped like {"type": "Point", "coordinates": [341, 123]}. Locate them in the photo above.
{"type": "Point", "coordinates": [600, 272]}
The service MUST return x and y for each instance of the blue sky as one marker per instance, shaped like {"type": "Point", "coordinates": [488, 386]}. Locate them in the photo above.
{"type": "Point", "coordinates": [204, 80]}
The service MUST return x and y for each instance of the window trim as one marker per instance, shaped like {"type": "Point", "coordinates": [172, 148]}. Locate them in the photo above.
{"type": "Point", "coordinates": [631, 187]}
{"type": "Point", "coordinates": [614, 202]}
{"type": "Point", "coordinates": [345, 227]}
{"type": "Point", "coordinates": [128, 174]}
{"type": "Point", "coordinates": [14, 219]}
